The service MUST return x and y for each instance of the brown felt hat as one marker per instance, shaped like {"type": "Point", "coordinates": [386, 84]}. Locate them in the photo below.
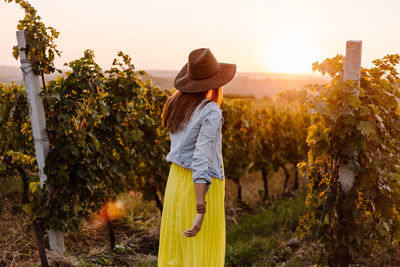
{"type": "Point", "coordinates": [203, 72]}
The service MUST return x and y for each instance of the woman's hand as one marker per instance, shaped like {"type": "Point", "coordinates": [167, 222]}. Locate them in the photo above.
{"type": "Point", "coordinates": [198, 221]}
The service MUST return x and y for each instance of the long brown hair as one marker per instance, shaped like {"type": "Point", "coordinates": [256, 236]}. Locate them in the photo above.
{"type": "Point", "coordinates": [180, 106]}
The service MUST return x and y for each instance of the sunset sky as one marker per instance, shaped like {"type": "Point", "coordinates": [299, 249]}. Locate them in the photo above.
{"type": "Point", "coordinates": [259, 36]}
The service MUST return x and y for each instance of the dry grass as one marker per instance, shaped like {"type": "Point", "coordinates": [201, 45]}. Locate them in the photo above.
{"type": "Point", "coordinates": [136, 236]}
{"type": "Point", "coordinates": [17, 245]}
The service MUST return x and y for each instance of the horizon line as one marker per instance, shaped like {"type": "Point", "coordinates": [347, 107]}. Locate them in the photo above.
{"type": "Point", "coordinates": [241, 72]}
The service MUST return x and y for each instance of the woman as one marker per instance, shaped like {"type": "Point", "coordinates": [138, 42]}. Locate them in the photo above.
{"type": "Point", "coordinates": [190, 236]}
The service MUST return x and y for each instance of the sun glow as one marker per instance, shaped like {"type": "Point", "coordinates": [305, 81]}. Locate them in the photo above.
{"type": "Point", "coordinates": [289, 52]}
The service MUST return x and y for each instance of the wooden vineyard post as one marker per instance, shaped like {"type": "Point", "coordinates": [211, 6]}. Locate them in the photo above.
{"type": "Point", "coordinates": [352, 61]}
{"type": "Point", "coordinates": [39, 130]}
{"type": "Point", "coordinates": [352, 71]}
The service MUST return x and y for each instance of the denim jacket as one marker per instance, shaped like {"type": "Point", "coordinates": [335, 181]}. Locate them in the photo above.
{"type": "Point", "coordinates": [198, 146]}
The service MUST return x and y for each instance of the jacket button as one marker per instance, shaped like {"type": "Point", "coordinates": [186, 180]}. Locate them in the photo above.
{"type": "Point", "coordinates": [182, 162]}
{"type": "Point", "coordinates": [187, 164]}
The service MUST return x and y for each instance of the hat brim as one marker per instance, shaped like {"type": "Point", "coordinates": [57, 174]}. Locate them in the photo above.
{"type": "Point", "coordinates": [184, 83]}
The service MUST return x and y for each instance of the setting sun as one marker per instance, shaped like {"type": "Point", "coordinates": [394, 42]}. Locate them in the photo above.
{"type": "Point", "coordinates": [289, 52]}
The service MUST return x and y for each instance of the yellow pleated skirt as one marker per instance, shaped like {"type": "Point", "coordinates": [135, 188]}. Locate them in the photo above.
{"type": "Point", "coordinates": [207, 248]}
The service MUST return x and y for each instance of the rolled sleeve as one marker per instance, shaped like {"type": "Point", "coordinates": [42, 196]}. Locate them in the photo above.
{"type": "Point", "coordinates": [201, 180]}
{"type": "Point", "coordinates": [202, 151]}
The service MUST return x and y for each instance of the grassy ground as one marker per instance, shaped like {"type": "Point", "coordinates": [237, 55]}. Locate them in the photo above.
{"type": "Point", "coordinates": [267, 238]}
{"type": "Point", "coordinates": [261, 235]}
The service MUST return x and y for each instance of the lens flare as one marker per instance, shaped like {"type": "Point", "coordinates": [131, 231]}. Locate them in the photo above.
{"type": "Point", "coordinates": [112, 210]}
